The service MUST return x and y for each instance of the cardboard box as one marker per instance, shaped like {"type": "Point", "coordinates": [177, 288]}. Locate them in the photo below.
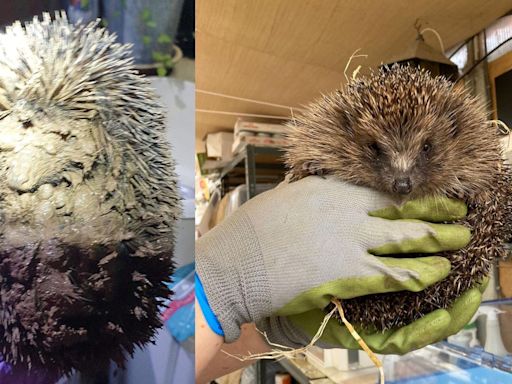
{"type": "Point", "coordinates": [283, 378]}
{"type": "Point", "coordinates": [505, 267]}
{"type": "Point", "coordinates": [242, 141]}
{"type": "Point", "coordinates": [219, 145]}
{"type": "Point", "coordinates": [250, 126]}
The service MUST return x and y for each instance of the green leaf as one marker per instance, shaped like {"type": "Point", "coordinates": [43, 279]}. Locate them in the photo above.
{"type": "Point", "coordinates": [84, 4]}
{"type": "Point", "coordinates": [169, 63]}
{"type": "Point", "coordinates": [151, 24]}
{"type": "Point", "coordinates": [145, 15]}
{"type": "Point", "coordinates": [164, 39]}
{"type": "Point", "coordinates": [158, 56]}
{"type": "Point", "coordinates": [161, 71]}
{"type": "Point", "coordinates": [146, 39]}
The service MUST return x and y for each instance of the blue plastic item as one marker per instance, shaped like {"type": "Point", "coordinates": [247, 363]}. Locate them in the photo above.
{"type": "Point", "coordinates": [178, 313]}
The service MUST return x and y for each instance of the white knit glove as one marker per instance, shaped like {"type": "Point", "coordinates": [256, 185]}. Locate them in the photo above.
{"type": "Point", "coordinates": [291, 249]}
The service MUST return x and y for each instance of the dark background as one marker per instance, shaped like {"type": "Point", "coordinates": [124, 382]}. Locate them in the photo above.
{"type": "Point", "coordinates": [503, 85]}
{"type": "Point", "coordinates": [25, 10]}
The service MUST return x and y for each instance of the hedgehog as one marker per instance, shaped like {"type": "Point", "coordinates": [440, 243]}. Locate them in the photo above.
{"type": "Point", "coordinates": [410, 135]}
{"type": "Point", "coordinates": [88, 199]}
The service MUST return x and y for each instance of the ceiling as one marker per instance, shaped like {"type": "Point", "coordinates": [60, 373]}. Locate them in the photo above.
{"type": "Point", "coordinates": [289, 51]}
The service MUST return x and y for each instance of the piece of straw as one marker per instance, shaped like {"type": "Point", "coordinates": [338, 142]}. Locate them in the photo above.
{"type": "Point", "coordinates": [502, 126]}
{"type": "Point", "coordinates": [356, 71]}
{"type": "Point", "coordinates": [283, 352]}
{"type": "Point", "coordinates": [359, 340]}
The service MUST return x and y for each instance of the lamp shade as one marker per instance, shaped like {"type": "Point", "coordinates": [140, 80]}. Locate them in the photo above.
{"type": "Point", "coordinates": [422, 55]}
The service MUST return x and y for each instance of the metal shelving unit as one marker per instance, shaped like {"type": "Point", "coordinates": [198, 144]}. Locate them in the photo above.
{"type": "Point", "coordinates": [253, 165]}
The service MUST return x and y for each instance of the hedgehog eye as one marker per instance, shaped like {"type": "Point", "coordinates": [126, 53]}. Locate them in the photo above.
{"type": "Point", "coordinates": [427, 147]}
{"type": "Point", "coordinates": [375, 148]}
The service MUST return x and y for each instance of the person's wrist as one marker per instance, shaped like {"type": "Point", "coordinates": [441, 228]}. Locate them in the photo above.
{"type": "Point", "coordinates": [208, 314]}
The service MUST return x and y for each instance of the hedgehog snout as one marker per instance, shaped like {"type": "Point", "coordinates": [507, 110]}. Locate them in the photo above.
{"type": "Point", "coordinates": [402, 185]}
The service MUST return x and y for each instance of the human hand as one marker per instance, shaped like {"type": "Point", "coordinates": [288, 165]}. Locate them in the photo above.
{"type": "Point", "coordinates": [291, 249]}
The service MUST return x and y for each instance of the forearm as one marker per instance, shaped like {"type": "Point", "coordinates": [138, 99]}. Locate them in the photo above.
{"type": "Point", "coordinates": [208, 343]}
{"type": "Point", "coordinates": [211, 361]}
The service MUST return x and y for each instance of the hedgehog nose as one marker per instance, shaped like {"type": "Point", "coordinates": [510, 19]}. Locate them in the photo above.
{"type": "Point", "coordinates": [402, 185]}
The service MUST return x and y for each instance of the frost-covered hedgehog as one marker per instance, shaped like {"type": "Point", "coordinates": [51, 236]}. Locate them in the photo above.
{"type": "Point", "coordinates": [405, 133]}
{"type": "Point", "coordinates": [88, 199]}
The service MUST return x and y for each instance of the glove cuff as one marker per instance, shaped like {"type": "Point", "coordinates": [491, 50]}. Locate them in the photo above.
{"type": "Point", "coordinates": [280, 331]}
{"type": "Point", "coordinates": [230, 265]}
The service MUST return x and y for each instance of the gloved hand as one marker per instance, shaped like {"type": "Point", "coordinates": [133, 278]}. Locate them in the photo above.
{"type": "Point", "coordinates": [298, 330]}
{"type": "Point", "coordinates": [291, 249]}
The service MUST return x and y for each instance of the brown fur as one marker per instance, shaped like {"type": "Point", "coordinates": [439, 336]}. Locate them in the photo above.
{"type": "Point", "coordinates": [401, 122]}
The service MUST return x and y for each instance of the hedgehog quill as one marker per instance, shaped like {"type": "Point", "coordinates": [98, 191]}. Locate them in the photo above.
{"type": "Point", "coordinates": [88, 199]}
{"type": "Point", "coordinates": [405, 133]}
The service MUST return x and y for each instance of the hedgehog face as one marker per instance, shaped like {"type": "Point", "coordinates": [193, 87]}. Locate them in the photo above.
{"type": "Point", "coordinates": [399, 131]}
{"type": "Point", "coordinates": [403, 158]}
{"type": "Point", "coordinates": [402, 171]}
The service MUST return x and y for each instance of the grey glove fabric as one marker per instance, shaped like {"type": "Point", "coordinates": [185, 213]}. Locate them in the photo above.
{"type": "Point", "coordinates": [294, 238]}
{"type": "Point", "coordinates": [279, 330]}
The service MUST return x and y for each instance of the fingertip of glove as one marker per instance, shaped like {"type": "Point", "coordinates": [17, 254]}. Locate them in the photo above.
{"type": "Point", "coordinates": [452, 236]}
{"type": "Point", "coordinates": [434, 269]}
{"type": "Point", "coordinates": [471, 298]}
{"type": "Point", "coordinates": [440, 320]}
{"type": "Point", "coordinates": [432, 209]}
{"type": "Point", "coordinates": [482, 286]}
{"type": "Point", "coordinates": [441, 208]}
{"type": "Point", "coordinates": [464, 236]}
{"type": "Point", "coordinates": [453, 209]}
{"type": "Point", "coordinates": [438, 264]}
{"type": "Point", "coordinates": [427, 330]}
{"type": "Point", "coordinates": [463, 310]}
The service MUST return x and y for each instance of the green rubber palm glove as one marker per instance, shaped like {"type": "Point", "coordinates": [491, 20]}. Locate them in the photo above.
{"type": "Point", "coordinates": [298, 330]}
{"type": "Point", "coordinates": [432, 269]}
{"type": "Point", "coordinates": [291, 249]}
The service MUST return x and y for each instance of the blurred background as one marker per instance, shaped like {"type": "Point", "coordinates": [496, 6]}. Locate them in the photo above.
{"type": "Point", "coordinates": [161, 31]}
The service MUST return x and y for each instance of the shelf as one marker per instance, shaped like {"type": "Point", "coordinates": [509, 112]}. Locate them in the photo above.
{"type": "Point", "coordinates": [254, 164]}
{"type": "Point", "coordinates": [303, 372]}
{"type": "Point", "coordinates": [265, 157]}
